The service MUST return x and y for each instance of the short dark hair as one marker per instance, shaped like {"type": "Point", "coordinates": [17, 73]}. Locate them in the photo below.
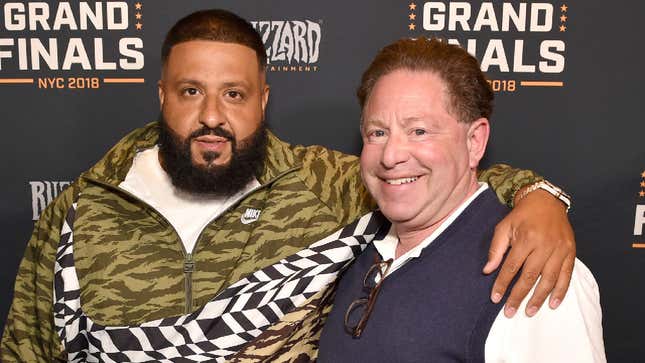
{"type": "Point", "coordinates": [469, 94]}
{"type": "Point", "coordinates": [216, 25]}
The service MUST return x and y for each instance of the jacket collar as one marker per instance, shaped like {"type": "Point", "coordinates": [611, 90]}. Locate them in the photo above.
{"type": "Point", "coordinates": [281, 157]}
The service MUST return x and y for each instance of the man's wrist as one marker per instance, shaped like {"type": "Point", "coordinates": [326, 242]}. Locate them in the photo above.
{"type": "Point", "coordinates": [548, 187]}
{"type": "Point", "coordinates": [520, 185]}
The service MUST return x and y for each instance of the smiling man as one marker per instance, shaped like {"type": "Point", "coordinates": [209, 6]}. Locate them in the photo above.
{"type": "Point", "coordinates": [417, 293]}
{"type": "Point", "coordinates": [173, 245]}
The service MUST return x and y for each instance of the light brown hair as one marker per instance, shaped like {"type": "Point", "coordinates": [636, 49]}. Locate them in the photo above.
{"type": "Point", "coordinates": [469, 94]}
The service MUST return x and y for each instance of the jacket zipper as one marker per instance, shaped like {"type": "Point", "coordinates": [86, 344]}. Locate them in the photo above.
{"type": "Point", "coordinates": [189, 261]}
{"type": "Point", "coordinates": [189, 268]}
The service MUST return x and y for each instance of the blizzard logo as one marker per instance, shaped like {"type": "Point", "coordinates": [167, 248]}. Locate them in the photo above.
{"type": "Point", "coordinates": [250, 215]}
{"type": "Point", "coordinates": [44, 192]}
{"type": "Point", "coordinates": [291, 41]}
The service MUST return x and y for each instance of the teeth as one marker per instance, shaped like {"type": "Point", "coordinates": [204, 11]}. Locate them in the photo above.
{"type": "Point", "coordinates": [401, 181]}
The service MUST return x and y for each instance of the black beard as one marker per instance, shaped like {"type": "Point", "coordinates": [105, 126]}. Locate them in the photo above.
{"type": "Point", "coordinates": [246, 162]}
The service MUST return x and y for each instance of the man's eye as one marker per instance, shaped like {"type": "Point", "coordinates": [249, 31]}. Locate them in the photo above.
{"type": "Point", "coordinates": [419, 132]}
{"type": "Point", "coordinates": [234, 94]}
{"type": "Point", "coordinates": [378, 133]}
{"type": "Point", "coordinates": [190, 91]}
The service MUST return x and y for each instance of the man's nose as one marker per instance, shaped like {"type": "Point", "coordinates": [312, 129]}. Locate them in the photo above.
{"type": "Point", "coordinates": [211, 114]}
{"type": "Point", "coordinates": [395, 151]}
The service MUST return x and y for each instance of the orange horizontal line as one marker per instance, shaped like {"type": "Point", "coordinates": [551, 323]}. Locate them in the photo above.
{"type": "Point", "coordinates": [541, 84]}
{"type": "Point", "coordinates": [16, 80]}
{"type": "Point", "coordinates": [638, 245]}
{"type": "Point", "coordinates": [123, 80]}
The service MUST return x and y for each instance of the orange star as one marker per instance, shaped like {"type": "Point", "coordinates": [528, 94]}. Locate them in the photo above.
{"type": "Point", "coordinates": [413, 6]}
{"type": "Point", "coordinates": [643, 184]}
{"type": "Point", "coordinates": [138, 6]}
{"type": "Point", "coordinates": [139, 26]}
{"type": "Point", "coordinates": [563, 28]}
{"type": "Point", "coordinates": [564, 8]}
{"type": "Point", "coordinates": [642, 193]}
{"type": "Point", "coordinates": [137, 15]}
{"type": "Point", "coordinates": [643, 174]}
{"type": "Point", "coordinates": [563, 18]}
{"type": "Point", "coordinates": [411, 26]}
{"type": "Point", "coordinates": [412, 16]}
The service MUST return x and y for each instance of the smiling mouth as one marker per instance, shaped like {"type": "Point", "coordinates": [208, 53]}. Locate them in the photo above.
{"type": "Point", "coordinates": [400, 181]}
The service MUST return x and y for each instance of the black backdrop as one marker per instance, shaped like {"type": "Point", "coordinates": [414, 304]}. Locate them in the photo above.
{"type": "Point", "coordinates": [567, 76]}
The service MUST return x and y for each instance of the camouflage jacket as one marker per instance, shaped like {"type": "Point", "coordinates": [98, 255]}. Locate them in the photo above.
{"type": "Point", "coordinates": [131, 264]}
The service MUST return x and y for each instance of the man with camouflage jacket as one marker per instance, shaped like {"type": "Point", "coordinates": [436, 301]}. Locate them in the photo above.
{"type": "Point", "coordinates": [179, 210]}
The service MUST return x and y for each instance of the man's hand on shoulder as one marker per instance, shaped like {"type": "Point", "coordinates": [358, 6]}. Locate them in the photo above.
{"type": "Point", "coordinates": [543, 244]}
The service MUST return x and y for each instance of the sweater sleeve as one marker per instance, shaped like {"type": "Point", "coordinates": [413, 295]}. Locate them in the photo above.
{"type": "Point", "coordinates": [29, 333]}
{"type": "Point", "coordinates": [506, 181]}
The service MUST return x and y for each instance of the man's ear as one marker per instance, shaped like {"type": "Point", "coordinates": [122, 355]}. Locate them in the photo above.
{"type": "Point", "coordinates": [477, 139]}
{"type": "Point", "coordinates": [161, 93]}
{"type": "Point", "coordinates": [265, 97]}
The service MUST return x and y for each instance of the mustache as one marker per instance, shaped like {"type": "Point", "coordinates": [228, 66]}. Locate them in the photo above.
{"type": "Point", "coordinates": [217, 131]}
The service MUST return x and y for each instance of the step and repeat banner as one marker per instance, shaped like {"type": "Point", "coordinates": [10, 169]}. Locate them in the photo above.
{"type": "Point", "coordinates": [75, 76]}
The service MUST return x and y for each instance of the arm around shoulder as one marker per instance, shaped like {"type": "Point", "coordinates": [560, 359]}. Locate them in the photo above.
{"type": "Point", "coordinates": [506, 181]}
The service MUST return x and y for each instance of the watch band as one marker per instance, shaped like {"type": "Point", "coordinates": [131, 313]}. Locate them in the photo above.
{"type": "Point", "coordinates": [549, 188]}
